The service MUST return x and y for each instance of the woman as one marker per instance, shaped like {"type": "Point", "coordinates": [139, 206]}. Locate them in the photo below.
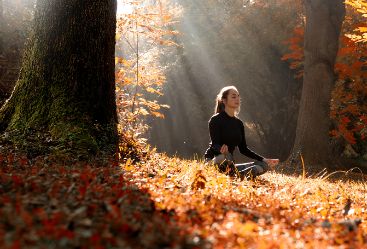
{"type": "Point", "coordinates": [227, 131]}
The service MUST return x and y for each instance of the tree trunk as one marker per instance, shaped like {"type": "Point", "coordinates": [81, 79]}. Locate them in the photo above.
{"type": "Point", "coordinates": [66, 88]}
{"type": "Point", "coordinates": [323, 26]}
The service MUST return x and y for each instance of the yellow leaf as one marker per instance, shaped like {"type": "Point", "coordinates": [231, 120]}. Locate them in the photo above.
{"type": "Point", "coordinates": [157, 114]}
{"type": "Point", "coordinates": [143, 111]}
{"type": "Point", "coordinates": [247, 229]}
{"type": "Point", "coordinates": [128, 165]}
{"type": "Point", "coordinates": [362, 29]}
{"type": "Point", "coordinates": [150, 89]}
{"type": "Point", "coordinates": [324, 212]}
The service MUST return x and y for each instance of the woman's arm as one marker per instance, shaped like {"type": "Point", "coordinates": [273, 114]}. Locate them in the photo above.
{"type": "Point", "coordinates": [215, 137]}
{"type": "Point", "coordinates": [244, 149]}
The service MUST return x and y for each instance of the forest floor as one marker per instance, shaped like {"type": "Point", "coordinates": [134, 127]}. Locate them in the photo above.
{"type": "Point", "coordinates": [164, 202]}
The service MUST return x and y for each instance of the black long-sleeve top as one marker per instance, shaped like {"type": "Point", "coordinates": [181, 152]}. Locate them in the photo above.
{"type": "Point", "coordinates": [228, 130]}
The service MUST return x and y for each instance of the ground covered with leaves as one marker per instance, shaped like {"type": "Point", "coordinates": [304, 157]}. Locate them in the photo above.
{"type": "Point", "coordinates": [164, 202]}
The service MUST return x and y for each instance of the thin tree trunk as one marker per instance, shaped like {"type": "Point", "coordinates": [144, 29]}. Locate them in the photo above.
{"type": "Point", "coordinates": [66, 85]}
{"type": "Point", "coordinates": [323, 26]}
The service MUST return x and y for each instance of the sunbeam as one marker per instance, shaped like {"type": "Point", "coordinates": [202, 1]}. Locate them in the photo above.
{"type": "Point", "coordinates": [124, 8]}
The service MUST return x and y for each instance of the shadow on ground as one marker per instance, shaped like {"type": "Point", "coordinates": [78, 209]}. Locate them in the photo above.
{"type": "Point", "coordinates": [47, 205]}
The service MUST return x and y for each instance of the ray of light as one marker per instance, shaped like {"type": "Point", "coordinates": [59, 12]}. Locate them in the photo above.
{"type": "Point", "coordinates": [123, 7]}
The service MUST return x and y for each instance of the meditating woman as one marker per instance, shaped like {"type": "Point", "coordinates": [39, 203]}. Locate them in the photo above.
{"type": "Point", "coordinates": [226, 132]}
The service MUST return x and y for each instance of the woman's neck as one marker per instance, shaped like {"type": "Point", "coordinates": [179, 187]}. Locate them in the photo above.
{"type": "Point", "coordinates": [229, 111]}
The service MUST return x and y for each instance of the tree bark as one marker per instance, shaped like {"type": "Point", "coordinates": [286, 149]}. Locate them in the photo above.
{"type": "Point", "coordinates": [66, 86]}
{"type": "Point", "coordinates": [323, 26]}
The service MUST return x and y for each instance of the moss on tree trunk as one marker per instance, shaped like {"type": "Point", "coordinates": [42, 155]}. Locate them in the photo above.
{"type": "Point", "coordinates": [66, 87]}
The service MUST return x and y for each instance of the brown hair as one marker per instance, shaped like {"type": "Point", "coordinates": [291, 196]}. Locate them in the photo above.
{"type": "Point", "coordinates": [223, 94]}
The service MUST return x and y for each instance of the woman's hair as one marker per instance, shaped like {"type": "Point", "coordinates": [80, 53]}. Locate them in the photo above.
{"type": "Point", "coordinates": [223, 94]}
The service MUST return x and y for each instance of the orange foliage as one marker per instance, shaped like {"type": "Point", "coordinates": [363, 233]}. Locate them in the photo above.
{"type": "Point", "coordinates": [296, 55]}
{"type": "Point", "coordinates": [141, 37]}
{"type": "Point", "coordinates": [359, 6]}
{"type": "Point", "coordinates": [350, 93]}
{"type": "Point", "coordinates": [270, 212]}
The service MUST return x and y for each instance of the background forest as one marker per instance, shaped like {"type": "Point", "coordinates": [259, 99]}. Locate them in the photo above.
{"type": "Point", "coordinates": [186, 57]}
{"type": "Point", "coordinates": [92, 92]}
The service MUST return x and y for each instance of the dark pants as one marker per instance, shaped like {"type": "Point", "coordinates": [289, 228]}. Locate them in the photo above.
{"type": "Point", "coordinates": [252, 169]}
{"type": "Point", "coordinates": [243, 170]}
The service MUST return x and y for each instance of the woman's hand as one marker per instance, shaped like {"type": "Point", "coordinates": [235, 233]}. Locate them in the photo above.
{"type": "Point", "coordinates": [224, 149]}
{"type": "Point", "coordinates": [271, 162]}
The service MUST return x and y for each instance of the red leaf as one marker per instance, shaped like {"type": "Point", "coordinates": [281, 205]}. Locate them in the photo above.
{"type": "Point", "coordinates": [82, 190]}
{"type": "Point", "coordinates": [345, 120]}
{"type": "Point", "coordinates": [17, 180]}
{"type": "Point", "coordinates": [16, 245]}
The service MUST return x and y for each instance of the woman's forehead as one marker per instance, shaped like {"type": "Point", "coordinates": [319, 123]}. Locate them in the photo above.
{"type": "Point", "coordinates": [233, 92]}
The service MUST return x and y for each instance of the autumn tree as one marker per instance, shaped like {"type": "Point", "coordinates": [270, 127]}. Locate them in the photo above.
{"type": "Point", "coordinates": [144, 36]}
{"type": "Point", "coordinates": [323, 26]}
{"type": "Point", "coordinates": [348, 108]}
{"type": "Point", "coordinates": [65, 95]}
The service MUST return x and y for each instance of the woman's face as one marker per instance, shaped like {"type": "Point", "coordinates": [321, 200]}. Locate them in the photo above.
{"type": "Point", "coordinates": [233, 99]}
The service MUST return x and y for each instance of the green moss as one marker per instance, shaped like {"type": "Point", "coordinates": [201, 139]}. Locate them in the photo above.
{"type": "Point", "coordinates": [40, 126]}
{"type": "Point", "coordinates": [74, 136]}
{"type": "Point", "coordinates": [53, 108]}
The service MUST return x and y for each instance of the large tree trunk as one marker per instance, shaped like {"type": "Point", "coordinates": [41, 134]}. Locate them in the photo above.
{"type": "Point", "coordinates": [66, 85]}
{"type": "Point", "coordinates": [323, 26]}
